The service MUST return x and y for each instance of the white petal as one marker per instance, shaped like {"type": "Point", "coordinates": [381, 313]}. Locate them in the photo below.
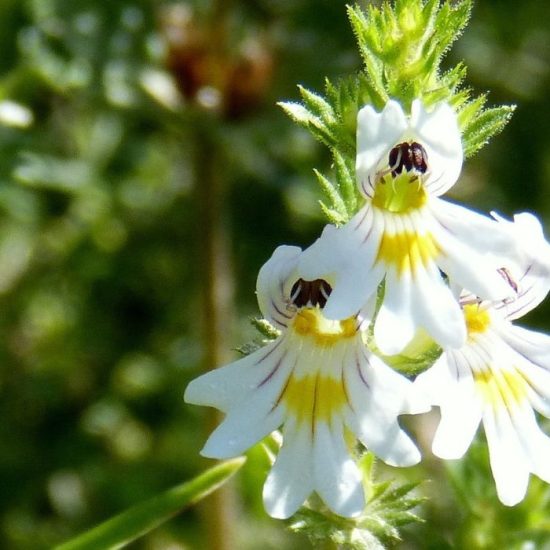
{"type": "Point", "coordinates": [395, 324]}
{"type": "Point", "coordinates": [438, 132]}
{"type": "Point", "coordinates": [377, 396]}
{"type": "Point", "coordinates": [465, 248]}
{"type": "Point", "coordinates": [436, 310]}
{"type": "Point", "coordinates": [436, 383]}
{"type": "Point", "coordinates": [377, 133]}
{"type": "Point", "coordinates": [244, 427]}
{"type": "Point", "coordinates": [526, 229]}
{"type": "Point", "coordinates": [460, 419]}
{"type": "Point", "coordinates": [338, 480]}
{"type": "Point", "coordinates": [228, 386]}
{"type": "Point", "coordinates": [324, 256]}
{"type": "Point", "coordinates": [535, 443]}
{"type": "Point", "coordinates": [290, 481]}
{"type": "Point", "coordinates": [270, 286]}
{"type": "Point", "coordinates": [532, 345]}
{"type": "Point", "coordinates": [532, 270]}
{"type": "Point", "coordinates": [345, 257]}
{"type": "Point", "coordinates": [469, 226]}
{"type": "Point", "coordinates": [538, 383]}
{"type": "Point", "coordinates": [352, 292]}
{"type": "Point", "coordinates": [450, 384]}
{"type": "Point", "coordinates": [532, 290]}
{"type": "Point", "coordinates": [509, 464]}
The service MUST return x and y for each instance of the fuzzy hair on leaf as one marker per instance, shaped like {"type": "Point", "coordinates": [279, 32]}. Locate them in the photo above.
{"type": "Point", "coordinates": [402, 45]}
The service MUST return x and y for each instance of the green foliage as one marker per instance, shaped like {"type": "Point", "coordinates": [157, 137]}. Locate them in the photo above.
{"type": "Point", "coordinates": [484, 522]}
{"type": "Point", "coordinates": [389, 507]}
{"type": "Point", "coordinates": [125, 528]}
{"type": "Point", "coordinates": [100, 236]}
{"type": "Point", "coordinates": [267, 332]}
{"type": "Point", "coordinates": [402, 46]}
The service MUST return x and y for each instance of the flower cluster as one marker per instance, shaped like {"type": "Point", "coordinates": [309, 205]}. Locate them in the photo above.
{"type": "Point", "coordinates": [407, 265]}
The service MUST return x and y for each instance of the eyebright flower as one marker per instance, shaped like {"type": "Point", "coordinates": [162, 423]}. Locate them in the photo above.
{"type": "Point", "coordinates": [499, 377]}
{"type": "Point", "coordinates": [406, 235]}
{"type": "Point", "coordinates": [320, 382]}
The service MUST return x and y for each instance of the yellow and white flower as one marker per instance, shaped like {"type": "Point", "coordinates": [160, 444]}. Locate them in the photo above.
{"type": "Point", "coordinates": [321, 383]}
{"type": "Point", "coordinates": [499, 377]}
{"type": "Point", "coordinates": [406, 235]}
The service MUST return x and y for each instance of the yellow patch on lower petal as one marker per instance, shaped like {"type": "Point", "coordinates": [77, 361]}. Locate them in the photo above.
{"type": "Point", "coordinates": [501, 387]}
{"type": "Point", "coordinates": [408, 251]}
{"type": "Point", "coordinates": [314, 398]}
{"type": "Point", "coordinates": [477, 319]}
{"type": "Point", "coordinates": [400, 194]}
{"type": "Point", "coordinates": [311, 323]}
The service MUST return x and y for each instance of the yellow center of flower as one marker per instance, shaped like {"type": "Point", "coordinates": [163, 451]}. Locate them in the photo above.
{"type": "Point", "coordinates": [314, 397]}
{"type": "Point", "coordinates": [399, 194]}
{"type": "Point", "coordinates": [408, 251]}
{"type": "Point", "coordinates": [477, 319]}
{"type": "Point", "coordinates": [501, 387]}
{"type": "Point", "coordinates": [319, 392]}
{"type": "Point", "coordinates": [311, 323]}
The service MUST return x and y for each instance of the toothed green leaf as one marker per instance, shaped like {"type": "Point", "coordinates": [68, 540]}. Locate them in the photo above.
{"type": "Point", "coordinates": [389, 506]}
{"type": "Point", "coordinates": [487, 124]}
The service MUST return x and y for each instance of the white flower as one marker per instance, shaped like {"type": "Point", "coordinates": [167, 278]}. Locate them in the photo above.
{"type": "Point", "coordinates": [319, 381]}
{"type": "Point", "coordinates": [408, 236]}
{"type": "Point", "coordinates": [499, 377]}
{"type": "Point", "coordinates": [435, 131]}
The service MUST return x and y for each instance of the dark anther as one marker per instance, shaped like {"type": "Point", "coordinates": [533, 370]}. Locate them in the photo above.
{"type": "Point", "coordinates": [310, 293]}
{"type": "Point", "coordinates": [409, 157]}
{"type": "Point", "coordinates": [507, 276]}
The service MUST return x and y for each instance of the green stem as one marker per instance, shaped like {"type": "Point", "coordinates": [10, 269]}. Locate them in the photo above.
{"type": "Point", "coordinates": [217, 306]}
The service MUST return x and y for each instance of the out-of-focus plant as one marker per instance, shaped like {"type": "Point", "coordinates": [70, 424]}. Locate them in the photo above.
{"type": "Point", "coordinates": [98, 234]}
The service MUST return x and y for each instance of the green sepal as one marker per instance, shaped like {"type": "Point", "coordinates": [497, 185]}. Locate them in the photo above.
{"type": "Point", "coordinates": [389, 506]}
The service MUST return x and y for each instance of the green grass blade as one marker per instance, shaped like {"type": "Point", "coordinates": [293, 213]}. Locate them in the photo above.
{"type": "Point", "coordinates": [142, 518]}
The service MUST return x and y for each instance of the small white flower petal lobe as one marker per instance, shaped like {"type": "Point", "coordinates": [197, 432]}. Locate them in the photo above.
{"type": "Point", "coordinates": [532, 290]}
{"type": "Point", "coordinates": [352, 291]}
{"type": "Point", "coordinates": [527, 230]}
{"type": "Point", "coordinates": [458, 426]}
{"type": "Point", "coordinates": [509, 464]}
{"type": "Point", "coordinates": [466, 258]}
{"type": "Point", "coordinates": [440, 380]}
{"type": "Point", "coordinates": [377, 396]}
{"type": "Point", "coordinates": [535, 442]}
{"type": "Point", "coordinates": [345, 257]}
{"type": "Point", "coordinates": [270, 284]}
{"type": "Point", "coordinates": [437, 311]}
{"type": "Point", "coordinates": [529, 269]}
{"type": "Point", "coordinates": [324, 255]}
{"type": "Point", "coordinates": [226, 387]}
{"type": "Point", "coordinates": [436, 382]}
{"type": "Point", "coordinates": [290, 481]}
{"type": "Point", "coordinates": [395, 324]}
{"type": "Point", "coordinates": [450, 385]}
{"type": "Point", "coordinates": [377, 133]}
{"type": "Point", "coordinates": [469, 226]}
{"type": "Point", "coordinates": [243, 427]}
{"type": "Point", "coordinates": [532, 345]}
{"type": "Point", "coordinates": [338, 480]}
{"type": "Point", "coordinates": [439, 133]}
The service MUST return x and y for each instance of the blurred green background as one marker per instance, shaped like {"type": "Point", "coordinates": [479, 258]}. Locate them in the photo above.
{"type": "Point", "coordinates": [145, 176]}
